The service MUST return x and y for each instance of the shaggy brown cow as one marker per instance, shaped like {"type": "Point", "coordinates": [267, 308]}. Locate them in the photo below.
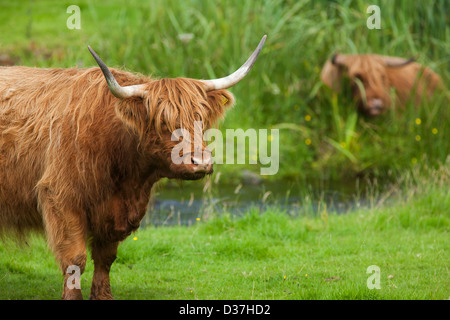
{"type": "Point", "coordinates": [78, 158]}
{"type": "Point", "coordinates": [373, 76]}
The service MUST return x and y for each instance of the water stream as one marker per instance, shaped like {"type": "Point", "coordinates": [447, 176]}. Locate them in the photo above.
{"type": "Point", "coordinates": [186, 202]}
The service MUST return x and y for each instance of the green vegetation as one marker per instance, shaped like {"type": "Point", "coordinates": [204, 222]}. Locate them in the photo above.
{"type": "Point", "coordinates": [321, 135]}
{"type": "Point", "coordinates": [270, 255]}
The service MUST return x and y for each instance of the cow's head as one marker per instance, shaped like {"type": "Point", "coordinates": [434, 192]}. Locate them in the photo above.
{"type": "Point", "coordinates": [369, 78]}
{"type": "Point", "coordinates": [164, 112]}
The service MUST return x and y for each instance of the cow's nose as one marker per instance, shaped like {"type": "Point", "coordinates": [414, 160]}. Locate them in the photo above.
{"type": "Point", "coordinates": [202, 164]}
{"type": "Point", "coordinates": [375, 106]}
{"type": "Point", "coordinates": [375, 103]}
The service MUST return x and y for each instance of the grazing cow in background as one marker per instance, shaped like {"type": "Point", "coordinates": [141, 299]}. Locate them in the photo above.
{"type": "Point", "coordinates": [79, 156]}
{"type": "Point", "coordinates": [372, 77]}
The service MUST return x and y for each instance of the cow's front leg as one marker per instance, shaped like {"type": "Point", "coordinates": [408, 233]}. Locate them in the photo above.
{"type": "Point", "coordinates": [66, 234]}
{"type": "Point", "coordinates": [124, 213]}
{"type": "Point", "coordinates": [103, 254]}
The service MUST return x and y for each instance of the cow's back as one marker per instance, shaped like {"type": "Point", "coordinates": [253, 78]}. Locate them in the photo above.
{"type": "Point", "coordinates": [414, 78]}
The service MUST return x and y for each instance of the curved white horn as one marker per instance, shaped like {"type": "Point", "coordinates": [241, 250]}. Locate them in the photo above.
{"type": "Point", "coordinates": [338, 59]}
{"type": "Point", "coordinates": [395, 62]}
{"type": "Point", "coordinates": [238, 75]}
{"type": "Point", "coordinates": [116, 89]}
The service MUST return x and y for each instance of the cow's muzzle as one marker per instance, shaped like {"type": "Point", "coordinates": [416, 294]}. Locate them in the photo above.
{"type": "Point", "coordinates": [202, 163]}
{"type": "Point", "coordinates": [375, 107]}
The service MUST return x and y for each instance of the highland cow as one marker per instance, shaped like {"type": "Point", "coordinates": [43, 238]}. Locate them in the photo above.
{"type": "Point", "coordinates": [372, 77]}
{"type": "Point", "coordinates": [79, 156]}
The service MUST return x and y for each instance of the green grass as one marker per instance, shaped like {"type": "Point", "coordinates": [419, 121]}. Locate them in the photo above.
{"type": "Point", "coordinates": [270, 255]}
{"type": "Point", "coordinates": [284, 86]}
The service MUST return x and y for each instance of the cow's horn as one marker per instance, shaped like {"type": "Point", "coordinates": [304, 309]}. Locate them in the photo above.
{"type": "Point", "coordinates": [238, 75]}
{"type": "Point", "coordinates": [395, 62]}
{"type": "Point", "coordinates": [116, 89]}
{"type": "Point", "coordinates": [338, 59]}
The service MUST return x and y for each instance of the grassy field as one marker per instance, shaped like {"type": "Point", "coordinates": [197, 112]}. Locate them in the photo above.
{"type": "Point", "coordinates": [320, 133]}
{"type": "Point", "coordinates": [272, 254]}
{"type": "Point", "coordinates": [269, 255]}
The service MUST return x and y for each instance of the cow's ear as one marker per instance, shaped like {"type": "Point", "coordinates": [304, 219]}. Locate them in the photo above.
{"type": "Point", "coordinates": [331, 75]}
{"type": "Point", "coordinates": [220, 99]}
